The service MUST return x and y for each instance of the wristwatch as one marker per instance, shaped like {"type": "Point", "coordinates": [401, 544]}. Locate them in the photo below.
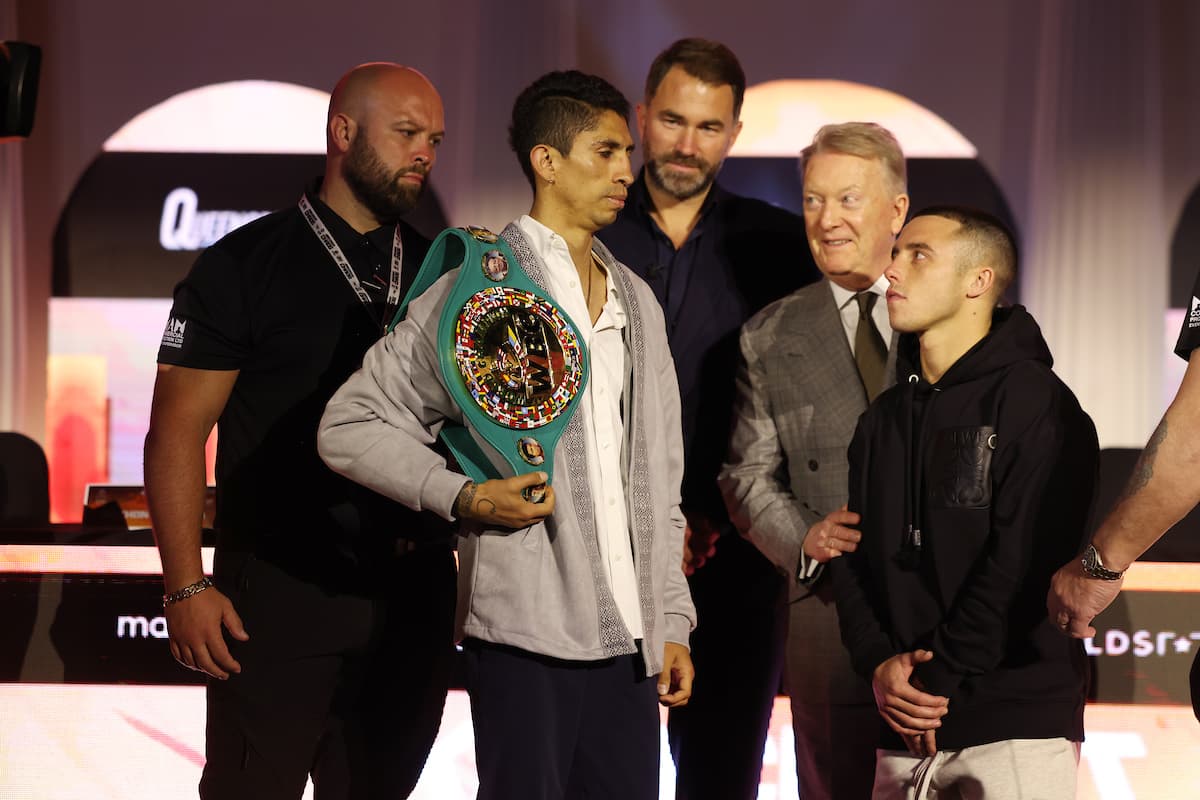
{"type": "Point", "coordinates": [1095, 568]}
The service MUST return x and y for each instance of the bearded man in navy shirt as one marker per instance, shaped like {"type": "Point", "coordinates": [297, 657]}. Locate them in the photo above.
{"type": "Point", "coordinates": [713, 259]}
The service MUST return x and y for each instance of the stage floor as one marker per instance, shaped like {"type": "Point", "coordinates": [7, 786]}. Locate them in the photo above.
{"type": "Point", "coordinates": [91, 742]}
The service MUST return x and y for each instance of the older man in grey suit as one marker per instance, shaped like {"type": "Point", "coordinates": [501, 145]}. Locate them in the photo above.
{"type": "Point", "coordinates": [811, 363]}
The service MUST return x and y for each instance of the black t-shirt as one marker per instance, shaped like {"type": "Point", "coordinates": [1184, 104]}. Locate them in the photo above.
{"type": "Point", "coordinates": [268, 300]}
{"type": "Point", "coordinates": [1189, 334]}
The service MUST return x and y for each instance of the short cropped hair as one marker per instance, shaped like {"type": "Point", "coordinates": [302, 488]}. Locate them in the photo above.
{"type": "Point", "coordinates": [556, 108]}
{"type": "Point", "coordinates": [988, 240]}
{"type": "Point", "coordinates": [865, 140]}
{"type": "Point", "coordinates": [707, 61]}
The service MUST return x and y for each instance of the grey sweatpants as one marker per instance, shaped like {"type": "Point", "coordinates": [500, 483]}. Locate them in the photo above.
{"type": "Point", "coordinates": [1014, 769]}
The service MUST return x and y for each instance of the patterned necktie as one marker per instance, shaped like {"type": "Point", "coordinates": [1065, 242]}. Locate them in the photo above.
{"type": "Point", "coordinates": [870, 352]}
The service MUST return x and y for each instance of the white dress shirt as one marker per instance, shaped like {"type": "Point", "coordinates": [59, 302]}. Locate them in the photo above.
{"type": "Point", "coordinates": [844, 298]}
{"type": "Point", "coordinates": [601, 408]}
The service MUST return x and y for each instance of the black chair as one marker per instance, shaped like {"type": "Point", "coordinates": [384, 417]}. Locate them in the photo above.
{"type": "Point", "coordinates": [24, 504]}
{"type": "Point", "coordinates": [24, 482]}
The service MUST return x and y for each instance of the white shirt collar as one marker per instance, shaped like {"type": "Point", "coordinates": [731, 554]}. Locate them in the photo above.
{"type": "Point", "coordinates": [843, 296]}
{"type": "Point", "coordinates": [556, 256]}
{"type": "Point", "coordinates": [542, 239]}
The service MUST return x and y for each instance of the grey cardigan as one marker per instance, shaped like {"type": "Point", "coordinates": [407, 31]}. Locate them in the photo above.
{"type": "Point", "coordinates": [541, 588]}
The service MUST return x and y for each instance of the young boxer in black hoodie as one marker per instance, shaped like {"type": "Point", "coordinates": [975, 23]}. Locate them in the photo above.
{"type": "Point", "coordinates": [973, 478]}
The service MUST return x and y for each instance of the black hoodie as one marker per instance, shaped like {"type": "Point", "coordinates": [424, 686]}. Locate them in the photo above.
{"type": "Point", "coordinates": [956, 555]}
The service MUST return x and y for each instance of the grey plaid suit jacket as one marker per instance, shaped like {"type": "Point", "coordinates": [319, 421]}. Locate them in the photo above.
{"type": "Point", "coordinates": [799, 396]}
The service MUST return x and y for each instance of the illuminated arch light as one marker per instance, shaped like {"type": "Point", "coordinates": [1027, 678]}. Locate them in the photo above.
{"type": "Point", "coordinates": [779, 119]}
{"type": "Point", "coordinates": [233, 117]}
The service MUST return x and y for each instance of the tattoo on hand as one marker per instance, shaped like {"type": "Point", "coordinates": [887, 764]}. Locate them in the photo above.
{"type": "Point", "coordinates": [466, 496]}
{"type": "Point", "coordinates": [1144, 470]}
{"type": "Point", "coordinates": [486, 507]}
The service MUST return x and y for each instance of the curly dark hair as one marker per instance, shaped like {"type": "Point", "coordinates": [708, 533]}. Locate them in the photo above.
{"type": "Point", "coordinates": [556, 108]}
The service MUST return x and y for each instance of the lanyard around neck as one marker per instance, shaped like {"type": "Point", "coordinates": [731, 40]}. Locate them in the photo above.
{"type": "Point", "coordinates": [339, 258]}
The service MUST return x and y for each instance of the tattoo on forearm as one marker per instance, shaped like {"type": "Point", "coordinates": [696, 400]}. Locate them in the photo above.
{"type": "Point", "coordinates": [466, 496]}
{"type": "Point", "coordinates": [1144, 469]}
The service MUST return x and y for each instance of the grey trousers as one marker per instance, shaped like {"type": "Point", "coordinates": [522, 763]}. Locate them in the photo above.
{"type": "Point", "coordinates": [1014, 769]}
{"type": "Point", "coordinates": [833, 712]}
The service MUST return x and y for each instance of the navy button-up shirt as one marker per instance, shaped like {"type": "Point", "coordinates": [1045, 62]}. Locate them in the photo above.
{"type": "Point", "coordinates": [741, 255]}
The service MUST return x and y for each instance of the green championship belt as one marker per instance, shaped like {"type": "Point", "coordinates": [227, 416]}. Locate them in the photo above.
{"type": "Point", "coordinates": [512, 360]}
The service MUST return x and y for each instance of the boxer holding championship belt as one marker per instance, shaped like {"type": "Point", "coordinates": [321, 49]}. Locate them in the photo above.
{"type": "Point", "coordinates": [510, 357]}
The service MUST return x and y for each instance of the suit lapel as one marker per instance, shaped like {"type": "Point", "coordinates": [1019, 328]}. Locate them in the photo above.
{"type": "Point", "coordinates": [814, 337]}
{"type": "Point", "coordinates": [889, 371]}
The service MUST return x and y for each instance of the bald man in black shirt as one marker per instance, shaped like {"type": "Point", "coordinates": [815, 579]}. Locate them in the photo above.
{"type": "Point", "coordinates": [326, 630]}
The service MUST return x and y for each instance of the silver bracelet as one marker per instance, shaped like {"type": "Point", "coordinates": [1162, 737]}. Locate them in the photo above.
{"type": "Point", "coordinates": [171, 598]}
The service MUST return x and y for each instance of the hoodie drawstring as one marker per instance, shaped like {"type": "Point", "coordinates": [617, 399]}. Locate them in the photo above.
{"type": "Point", "coordinates": [909, 556]}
